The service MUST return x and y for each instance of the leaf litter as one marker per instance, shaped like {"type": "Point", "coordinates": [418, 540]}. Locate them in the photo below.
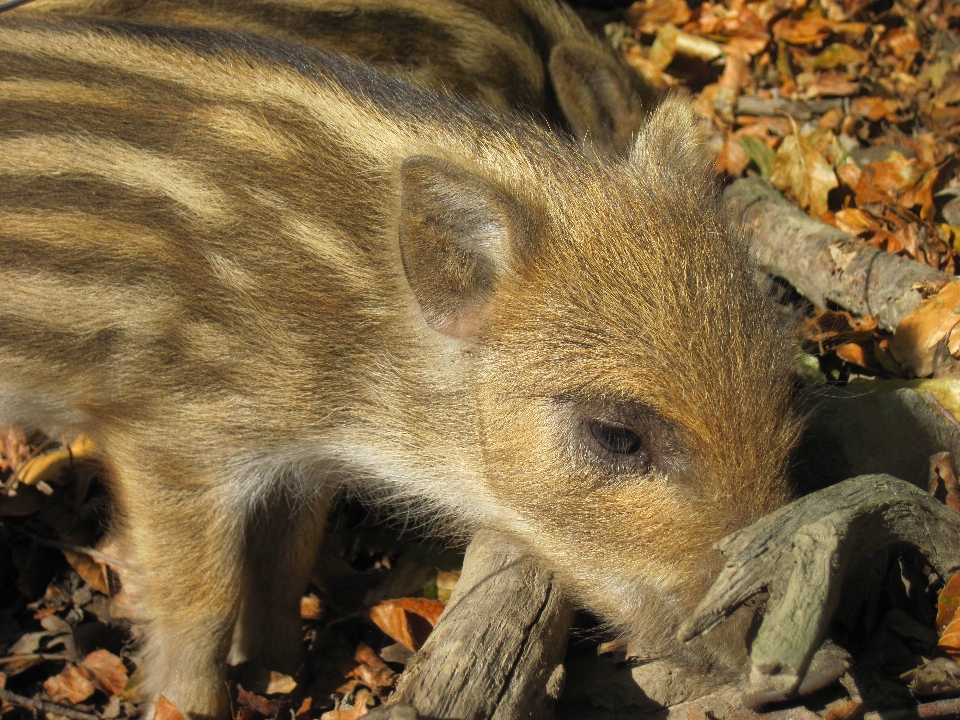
{"type": "Point", "coordinates": [850, 107]}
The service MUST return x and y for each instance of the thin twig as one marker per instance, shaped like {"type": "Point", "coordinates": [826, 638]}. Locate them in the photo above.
{"type": "Point", "coordinates": [943, 409]}
{"type": "Point", "coordinates": [939, 710]}
{"type": "Point", "coordinates": [95, 554]}
{"type": "Point", "coordinates": [33, 656]}
{"type": "Point", "coordinates": [47, 707]}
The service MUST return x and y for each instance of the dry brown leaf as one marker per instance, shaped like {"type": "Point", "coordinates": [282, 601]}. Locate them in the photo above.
{"type": "Point", "coordinates": [857, 354]}
{"type": "Point", "coordinates": [915, 340]}
{"type": "Point", "coordinates": [948, 603]}
{"type": "Point", "coordinates": [855, 221]}
{"type": "Point", "coordinates": [902, 42]}
{"type": "Point", "coordinates": [166, 710]}
{"type": "Point", "coordinates": [107, 671]}
{"type": "Point", "coordinates": [280, 684]}
{"type": "Point", "coordinates": [71, 685]}
{"type": "Point", "coordinates": [800, 169]}
{"type": "Point", "coordinates": [89, 570]}
{"type": "Point", "coordinates": [943, 481]}
{"type": "Point", "coordinates": [827, 84]}
{"type": "Point", "coordinates": [409, 621]}
{"type": "Point", "coordinates": [650, 15]}
{"type": "Point", "coordinates": [372, 671]}
{"type": "Point", "coordinates": [310, 607]}
{"type": "Point", "coordinates": [258, 703]}
{"type": "Point", "coordinates": [732, 158]}
{"type": "Point", "coordinates": [802, 32]}
{"type": "Point", "coordinates": [361, 702]}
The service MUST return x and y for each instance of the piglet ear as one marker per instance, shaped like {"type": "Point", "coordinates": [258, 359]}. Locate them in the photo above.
{"type": "Point", "coordinates": [458, 234]}
{"type": "Point", "coordinates": [603, 101]}
{"type": "Point", "coordinates": [672, 138]}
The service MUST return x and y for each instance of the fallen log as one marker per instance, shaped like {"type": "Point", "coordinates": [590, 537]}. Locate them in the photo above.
{"type": "Point", "coordinates": [801, 555]}
{"type": "Point", "coordinates": [824, 263]}
{"type": "Point", "coordinates": [497, 650]}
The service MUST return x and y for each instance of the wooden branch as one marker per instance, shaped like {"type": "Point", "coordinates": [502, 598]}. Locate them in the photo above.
{"type": "Point", "coordinates": [824, 263]}
{"type": "Point", "coordinates": [797, 109]}
{"type": "Point", "coordinates": [44, 706]}
{"type": "Point", "coordinates": [802, 553]}
{"type": "Point", "coordinates": [497, 651]}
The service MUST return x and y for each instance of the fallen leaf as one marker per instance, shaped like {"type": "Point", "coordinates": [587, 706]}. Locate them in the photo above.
{"type": "Point", "coordinates": [872, 108]}
{"type": "Point", "coordinates": [915, 339]}
{"type": "Point", "coordinates": [371, 670]}
{"type": "Point", "coordinates": [649, 16]}
{"type": "Point", "coordinates": [280, 684]}
{"type": "Point", "coordinates": [948, 603]}
{"type": "Point", "coordinates": [166, 710]}
{"type": "Point", "coordinates": [902, 42]}
{"type": "Point", "coordinates": [759, 153]}
{"type": "Point", "coordinates": [801, 32]}
{"type": "Point", "coordinates": [362, 701]}
{"type": "Point", "coordinates": [262, 705]}
{"type": "Point", "coordinates": [800, 169]}
{"type": "Point", "coordinates": [71, 685]}
{"type": "Point", "coordinates": [446, 582]}
{"type": "Point", "coordinates": [855, 221]}
{"type": "Point", "coordinates": [940, 676]}
{"type": "Point", "coordinates": [732, 158]}
{"type": "Point", "coordinates": [310, 607]}
{"type": "Point", "coordinates": [943, 481]}
{"type": "Point", "coordinates": [107, 671]}
{"type": "Point", "coordinates": [407, 620]}
{"type": "Point", "coordinates": [835, 55]}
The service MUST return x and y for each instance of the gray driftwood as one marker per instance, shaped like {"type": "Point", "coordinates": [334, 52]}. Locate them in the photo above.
{"type": "Point", "coordinates": [801, 555]}
{"type": "Point", "coordinates": [824, 263]}
{"type": "Point", "coordinates": [797, 109]}
{"type": "Point", "coordinates": [497, 650]}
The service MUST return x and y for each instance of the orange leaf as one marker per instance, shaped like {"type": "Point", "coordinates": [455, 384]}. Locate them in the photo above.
{"type": "Point", "coordinates": [872, 108]}
{"type": "Point", "coordinates": [71, 685]}
{"type": "Point", "coordinates": [650, 15]}
{"type": "Point", "coordinates": [855, 354]}
{"type": "Point", "coordinates": [372, 671]}
{"type": "Point", "coordinates": [801, 32]}
{"type": "Point", "coordinates": [407, 620]}
{"type": "Point", "coordinates": [108, 672]}
{"type": "Point", "coordinates": [854, 221]}
{"type": "Point", "coordinates": [800, 168]}
{"type": "Point", "coordinates": [947, 619]}
{"type": "Point", "coordinates": [310, 607]}
{"type": "Point", "coordinates": [166, 710]}
{"type": "Point", "coordinates": [915, 339]}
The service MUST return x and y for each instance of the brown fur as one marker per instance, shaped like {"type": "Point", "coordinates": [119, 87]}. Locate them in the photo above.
{"type": "Point", "coordinates": [254, 273]}
{"type": "Point", "coordinates": [530, 56]}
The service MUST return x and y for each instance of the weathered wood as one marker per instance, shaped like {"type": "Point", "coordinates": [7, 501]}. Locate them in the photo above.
{"type": "Point", "coordinates": [801, 555]}
{"type": "Point", "coordinates": [797, 109]}
{"type": "Point", "coordinates": [824, 263]}
{"type": "Point", "coordinates": [497, 651]}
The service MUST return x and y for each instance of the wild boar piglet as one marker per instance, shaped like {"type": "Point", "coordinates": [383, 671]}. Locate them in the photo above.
{"type": "Point", "coordinates": [254, 273]}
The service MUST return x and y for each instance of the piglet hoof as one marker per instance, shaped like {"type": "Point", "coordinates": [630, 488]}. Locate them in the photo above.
{"type": "Point", "coordinates": [801, 554]}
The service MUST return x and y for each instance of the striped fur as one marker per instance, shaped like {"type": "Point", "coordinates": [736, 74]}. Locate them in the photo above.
{"type": "Point", "coordinates": [254, 273]}
{"type": "Point", "coordinates": [530, 56]}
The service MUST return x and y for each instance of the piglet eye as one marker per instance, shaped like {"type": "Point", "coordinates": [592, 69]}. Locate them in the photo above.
{"type": "Point", "coordinates": [616, 439]}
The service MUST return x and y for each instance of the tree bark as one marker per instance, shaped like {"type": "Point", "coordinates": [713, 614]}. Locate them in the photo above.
{"type": "Point", "coordinates": [824, 263]}
{"type": "Point", "coordinates": [802, 553]}
{"type": "Point", "coordinates": [497, 651]}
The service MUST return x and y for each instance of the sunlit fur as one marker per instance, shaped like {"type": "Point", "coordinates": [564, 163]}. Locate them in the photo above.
{"type": "Point", "coordinates": [496, 52]}
{"type": "Point", "coordinates": [200, 268]}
